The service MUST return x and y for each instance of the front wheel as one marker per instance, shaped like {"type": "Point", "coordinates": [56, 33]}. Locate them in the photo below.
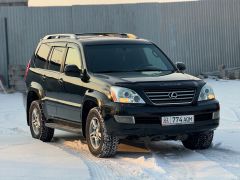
{"type": "Point", "coordinates": [99, 142]}
{"type": "Point", "coordinates": [199, 140]}
{"type": "Point", "coordinates": [37, 123]}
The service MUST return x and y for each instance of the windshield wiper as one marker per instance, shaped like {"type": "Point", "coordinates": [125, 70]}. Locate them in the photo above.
{"type": "Point", "coordinates": [110, 71]}
{"type": "Point", "coordinates": [149, 69]}
{"type": "Point", "coordinates": [135, 70]}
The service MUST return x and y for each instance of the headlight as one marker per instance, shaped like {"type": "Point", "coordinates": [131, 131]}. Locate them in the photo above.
{"type": "Point", "coordinates": [125, 95]}
{"type": "Point", "coordinates": [206, 93]}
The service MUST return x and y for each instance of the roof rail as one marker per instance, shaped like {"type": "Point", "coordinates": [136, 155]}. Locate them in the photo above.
{"type": "Point", "coordinates": [110, 34]}
{"type": "Point", "coordinates": [59, 36]}
{"type": "Point", "coordinates": [75, 36]}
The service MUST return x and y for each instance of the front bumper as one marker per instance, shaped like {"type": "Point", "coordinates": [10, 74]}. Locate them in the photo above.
{"type": "Point", "coordinates": [148, 119]}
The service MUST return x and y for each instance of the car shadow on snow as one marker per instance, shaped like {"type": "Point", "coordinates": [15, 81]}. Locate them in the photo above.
{"type": "Point", "coordinates": [126, 148]}
{"type": "Point", "coordinates": [159, 149]}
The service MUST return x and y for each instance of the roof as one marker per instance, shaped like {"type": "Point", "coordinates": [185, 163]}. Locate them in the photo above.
{"type": "Point", "coordinates": [112, 40]}
{"type": "Point", "coordinates": [97, 38]}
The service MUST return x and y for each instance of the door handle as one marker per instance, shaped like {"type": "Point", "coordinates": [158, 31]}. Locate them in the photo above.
{"type": "Point", "coordinates": [60, 81]}
{"type": "Point", "coordinates": [44, 77]}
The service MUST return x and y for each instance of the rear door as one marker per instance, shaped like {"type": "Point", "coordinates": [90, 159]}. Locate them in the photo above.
{"type": "Point", "coordinates": [74, 89]}
{"type": "Point", "coordinates": [38, 66]}
{"type": "Point", "coordinates": [53, 85]}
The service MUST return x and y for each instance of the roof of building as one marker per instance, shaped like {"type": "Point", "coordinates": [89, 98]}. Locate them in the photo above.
{"type": "Point", "coordinates": [94, 2]}
{"type": "Point", "coordinates": [13, 1]}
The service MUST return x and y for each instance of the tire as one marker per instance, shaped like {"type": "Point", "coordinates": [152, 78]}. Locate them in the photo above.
{"type": "Point", "coordinates": [199, 141]}
{"type": "Point", "coordinates": [105, 145]}
{"type": "Point", "coordinates": [37, 126]}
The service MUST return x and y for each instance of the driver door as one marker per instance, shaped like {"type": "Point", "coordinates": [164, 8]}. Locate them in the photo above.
{"type": "Point", "coordinates": [73, 87]}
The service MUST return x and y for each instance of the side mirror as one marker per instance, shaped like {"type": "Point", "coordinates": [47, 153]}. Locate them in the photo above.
{"type": "Point", "coordinates": [181, 66]}
{"type": "Point", "coordinates": [84, 76]}
{"type": "Point", "coordinates": [72, 70]}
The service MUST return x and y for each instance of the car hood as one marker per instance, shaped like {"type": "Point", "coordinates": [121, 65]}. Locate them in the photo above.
{"type": "Point", "coordinates": [142, 77]}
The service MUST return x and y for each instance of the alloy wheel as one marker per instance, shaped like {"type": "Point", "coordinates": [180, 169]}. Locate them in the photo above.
{"type": "Point", "coordinates": [36, 121]}
{"type": "Point", "coordinates": [95, 133]}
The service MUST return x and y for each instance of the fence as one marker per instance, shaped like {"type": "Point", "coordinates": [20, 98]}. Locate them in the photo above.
{"type": "Point", "coordinates": [203, 34]}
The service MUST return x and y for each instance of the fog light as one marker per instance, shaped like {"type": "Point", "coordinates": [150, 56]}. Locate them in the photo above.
{"type": "Point", "coordinates": [125, 119]}
{"type": "Point", "coordinates": [216, 115]}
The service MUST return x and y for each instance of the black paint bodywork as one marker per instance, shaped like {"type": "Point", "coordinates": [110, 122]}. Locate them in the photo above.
{"type": "Point", "coordinates": [63, 97]}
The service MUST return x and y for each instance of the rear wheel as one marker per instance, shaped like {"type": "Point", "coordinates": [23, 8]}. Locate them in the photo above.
{"type": "Point", "coordinates": [37, 123]}
{"type": "Point", "coordinates": [199, 140]}
{"type": "Point", "coordinates": [99, 142]}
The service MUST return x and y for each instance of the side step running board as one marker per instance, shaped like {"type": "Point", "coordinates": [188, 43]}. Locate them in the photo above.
{"type": "Point", "coordinates": [64, 127]}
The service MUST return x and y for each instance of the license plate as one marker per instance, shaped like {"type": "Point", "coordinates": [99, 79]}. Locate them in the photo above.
{"type": "Point", "coordinates": [177, 120]}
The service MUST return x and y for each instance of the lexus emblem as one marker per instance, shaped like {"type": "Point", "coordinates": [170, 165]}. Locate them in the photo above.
{"type": "Point", "coordinates": [173, 95]}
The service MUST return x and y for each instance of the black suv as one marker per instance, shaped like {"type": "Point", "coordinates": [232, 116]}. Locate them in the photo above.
{"type": "Point", "coordinates": [110, 86]}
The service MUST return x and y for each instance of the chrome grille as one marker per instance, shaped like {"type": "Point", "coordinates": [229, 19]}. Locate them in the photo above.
{"type": "Point", "coordinates": [161, 97]}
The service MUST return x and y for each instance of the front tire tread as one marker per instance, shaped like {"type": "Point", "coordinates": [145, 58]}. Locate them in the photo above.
{"type": "Point", "coordinates": [199, 141]}
{"type": "Point", "coordinates": [46, 133]}
{"type": "Point", "coordinates": [109, 143]}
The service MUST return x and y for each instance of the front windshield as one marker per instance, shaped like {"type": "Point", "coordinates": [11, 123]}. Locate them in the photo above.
{"type": "Point", "coordinates": [125, 58]}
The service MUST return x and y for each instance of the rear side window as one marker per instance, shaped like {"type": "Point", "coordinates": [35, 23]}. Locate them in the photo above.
{"type": "Point", "coordinates": [56, 58]}
{"type": "Point", "coordinates": [73, 57]}
{"type": "Point", "coordinates": [41, 56]}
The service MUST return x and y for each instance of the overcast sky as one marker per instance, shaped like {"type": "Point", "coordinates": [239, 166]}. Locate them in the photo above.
{"type": "Point", "coordinates": [79, 2]}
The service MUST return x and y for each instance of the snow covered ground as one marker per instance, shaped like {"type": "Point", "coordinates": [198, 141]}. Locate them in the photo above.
{"type": "Point", "coordinates": [22, 157]}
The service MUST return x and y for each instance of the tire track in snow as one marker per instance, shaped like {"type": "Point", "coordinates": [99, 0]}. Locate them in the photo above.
{"type": "Point", "coordinates": [96, 171]}
{"type": "Point", "coordinates": [236, 113]}
{"type": "Point", "coordinates": [165, 155]}
{"type": "Point", "coordinates": [166, 161]}
{"type": "Point", "coordinates": [226, 155]}
{"type": "Point", "coordinates": [109, 168]}
{"type": "Point", "coordinates": [183, 163]}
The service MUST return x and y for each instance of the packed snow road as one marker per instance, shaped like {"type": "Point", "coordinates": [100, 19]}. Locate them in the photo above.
{"type": "Point", "coordinates": [67, 157]}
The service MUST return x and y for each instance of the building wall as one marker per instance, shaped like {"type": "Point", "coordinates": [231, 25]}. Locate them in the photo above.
{"type": "Point", "coordinates": [3, 52]}
{"type": "Point", "coordinates": [13, 2]}
{"type": "Point", "coordinates": [202, 34]}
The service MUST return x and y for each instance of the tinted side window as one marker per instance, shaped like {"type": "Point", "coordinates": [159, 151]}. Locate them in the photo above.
{"type": "Point", "coordinates": [73, 57]}
{"type": "Point", "coordinates": [56, 58]}
{"type": "Point", "coordinates": [42, 55]}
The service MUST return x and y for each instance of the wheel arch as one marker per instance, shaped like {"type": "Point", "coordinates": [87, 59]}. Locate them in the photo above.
{"type": "Point", "coordinates": [92, 99]}
{"type": "Point", "coordinates": [88, 104]}
{"type": "Point", "coordinates": [35, 92]}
